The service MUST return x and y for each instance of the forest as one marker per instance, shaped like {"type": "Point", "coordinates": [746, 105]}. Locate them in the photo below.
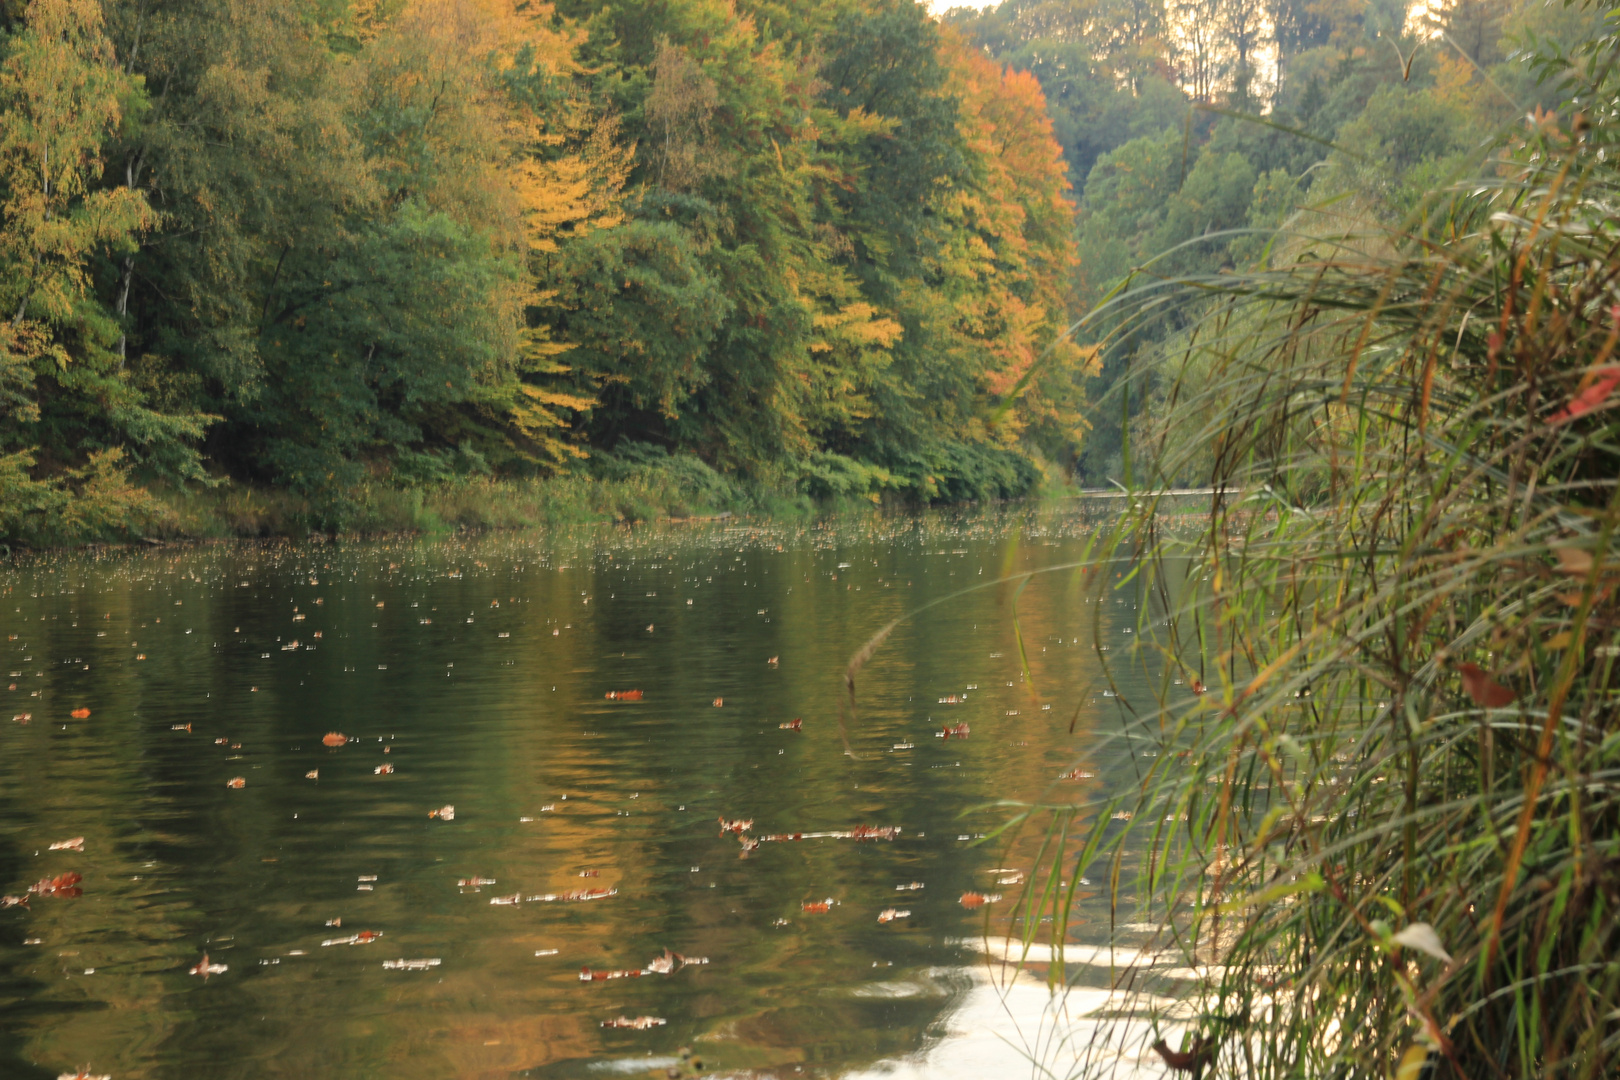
{"type": "Point", "coordinates": [314, 245]}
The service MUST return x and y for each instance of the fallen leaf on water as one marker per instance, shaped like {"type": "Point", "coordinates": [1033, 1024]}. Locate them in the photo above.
{"type": "Point", "coordinates": [221, 742]}
{"type": "Point", "coordinates": [891, 914]}
{"type": "Point", "coordinates": [1077, 774]}
{"type": "Point", "coordinates": [474, 882]}
{"type": "Point", "coordinates": [624, 695]}
{"type": "Point", "coordinates": [976, 899]}
{"type": "Point", "coordinates": [1485, 690]}
{"type": "Point", "coordinates": [79, 714]}
{"type": "Point", "coordinates": [952, 699]}
{"type": "Point", "coordinates": [1197, 687]}
{"type": "Point", "coordinates": [205, 969]}
{"type": "Point", "coordinates": [590, 873]}
{"type": "Point", "coordinates": [818, 906]}
{"type": "Point", "coordinates": [443, 813]}
{"type": "Point", "coordinates": [13, 901]}
{"type": "Point", "coordinates": [75, 844]}
{"type": "Point", "coordinates": [955, 731]}
{"type": "Point", "coordinates": [364, 937]}
{"type": "Point", "coordinates": [672, 962]}
{"type": "Point", "coordinates": [502, 901]}
{"type": "Point", "coordinates": [1011, 879]}
{"type": "Point", "coordinates": [83, 1074]}
{"type": "Point", "coordinates": [334, 738]}
{"type": "Point", "coordinates": [587, 975]}
{"type": "Point", "coordinates": [313, 774]}
{"type": "Point", "coordinates": [60, 885]}
{"type": "Point", "coordinates": [719, 701]}
{"type": "Point", "coordinates": [913, 887]}
{"type": "Point", "coordinates": [772, 661]}
{"type": "Point", "coordinates": [180, 727]}
{"type": "Point", "coordinates": [383, 770]}
{"type": "Point", "coordinates": [236, 782]}
{"type": "Point", "coordinates": [410, 965]}
{"type": "Point", "coordinates": [335, 922]}
{"type": "Point", "coordinates": [22, 718]}
{"type": "Point", "coordinates": [796, 724]}
{"type": "Point", "coordinates": [640, 1023]}
{"type": "Point", "coordinates": [740, 825]}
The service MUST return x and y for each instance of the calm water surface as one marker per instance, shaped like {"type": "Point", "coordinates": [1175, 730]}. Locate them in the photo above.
{"type": "Point", "coordinates": [477, 671]}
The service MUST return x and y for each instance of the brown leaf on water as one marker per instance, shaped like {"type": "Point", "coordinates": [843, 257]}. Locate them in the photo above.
{"type": "Point", "coordinates": [796, 724]}
{"type": "Point", "coordinates": [383, 770]}
{"type": "Point", "coordinates": [624, 695]}
{"type": "Point", "coordinates": [954, 731]}
{"type": "Point", "coordinates": [83, 1074]}
{"type": "Point", "coordinates": [640, 1023]}
{"type": "Point", "coordinates": [740, 825]}
{"type": "Point", "coordinates": [719, 701]}
{"type": "Point", "coordinates": [772, 661]}
{"type": "Point", "coordinates": [205, 969]}
{"type": "Point", "coordinates": [236, 782]}
{"type": "Point", "coordinates": [13, 901]}
{"type": "Point", "coordinates": [22, 718]}
{"type": "Point", "coordinates": [818, 906]}
{"type": "Point", "coordinates": [60, 885]}
{"type": "Point", "coordinates": [1197, 687]}
{"type": "Point", "coordinates": [1484, 689]}
{"type": "Point", "coordinates": [891, 914]}
{"type": "Point", "coordinates": [75, 844]}
{"type": "Point", "coordinates": [334, 738]}
{"type": "Point", "coordinates": [971, 900]}
{"type": "Point", "coordinates": [587, 975]}
{"type": "Point", "coordinates": [313, 774]}
{"type": "Point", "coordinates": [443, 813]}
{"type": "Point", "coordinates": [79, 713]}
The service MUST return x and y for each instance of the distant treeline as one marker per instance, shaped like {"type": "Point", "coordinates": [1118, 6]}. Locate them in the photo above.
{"type": "Point", "coordinates": [315, 244]}
{"type": "Point", "coordinates": [1194, 129]}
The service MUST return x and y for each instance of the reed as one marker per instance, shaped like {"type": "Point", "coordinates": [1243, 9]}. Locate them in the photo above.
{"type": "Point", "coordinates": [1385, 838]}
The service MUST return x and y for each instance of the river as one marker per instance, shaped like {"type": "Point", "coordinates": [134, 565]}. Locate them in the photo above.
{"type": "Point", "coordinates": [438, 807]}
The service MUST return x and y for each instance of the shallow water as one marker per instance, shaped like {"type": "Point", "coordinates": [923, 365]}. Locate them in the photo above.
{"type": "Point", "coordinates": [478, 670]}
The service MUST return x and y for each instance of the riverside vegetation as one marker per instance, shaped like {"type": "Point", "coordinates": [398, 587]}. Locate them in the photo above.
{"type": "Point", "coordinates": [1376, 823]}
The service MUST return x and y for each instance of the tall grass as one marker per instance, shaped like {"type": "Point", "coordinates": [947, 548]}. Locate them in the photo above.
{"type": "Point", "coordinates": [1384, 841]}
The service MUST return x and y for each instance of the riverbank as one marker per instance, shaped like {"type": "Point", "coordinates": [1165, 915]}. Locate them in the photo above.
{"type": "Point", "coordinates": [112, 509]}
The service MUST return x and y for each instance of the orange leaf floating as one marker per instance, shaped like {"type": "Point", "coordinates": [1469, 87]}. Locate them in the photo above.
{"type": "Point", "coordinates": [587, 975]}
{"type": "Point", "coordinates": [205, 969]}
{"type": "Point", "coordinates": [740, 825]}
{"type": "Point", "coordinates": [955, 731]}
{"type": "Point", "coordinates": [313, 774]}
{"type": "Point", "coordinates": [818, 906]}
{"type": "Point", "coordinates": [443, 813]}
{"type": "Point", "coordinates": [891, 914]}
{"type": "Point", "coordinates": [971, 900]}
{"type": "Point", "coordinates": [22, 718]}
{"type": "Point", "coordinates": [1197, 687]}
{"type": "Point", "coordinates": [75, 844]}
{"type": "Point", "coordinates": [1485, 690]}
{"type": "Point", "coordinates": [383, 770]}
{"type": "Point", "coordinates": [59, 886]}
{"type": "Point", "coordinates": [334, 738]}
{"type": "Point", "coordinates": [364, 937]}
{"type": "Point", "coordinates": [79, 714]}
{"type": "Point", "coordinates": [624, 695]}
{"type": "Point", "coordinates": [221, 742]}
{"type": "Point", "coordinates": [640, 1023]}
{"type": "Point", "coordinates": [772, 661]}
{"type": "Point", "coordinates": [796, 724]}
{"type": "Point", "coordinates": [719, 701]}
{"type": "Point", "coordinates": [236, 782]}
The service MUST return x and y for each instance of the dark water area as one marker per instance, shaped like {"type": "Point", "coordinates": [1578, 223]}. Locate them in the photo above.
{"type": "Point", "coordinates": [475, 674]}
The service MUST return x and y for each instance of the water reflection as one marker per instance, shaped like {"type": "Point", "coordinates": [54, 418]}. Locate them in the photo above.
{"type": "Point", "coordinates": [475, 674]}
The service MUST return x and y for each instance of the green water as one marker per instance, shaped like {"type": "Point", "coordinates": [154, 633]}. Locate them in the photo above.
{"type": "Point", "coordinates": [478, 670]}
